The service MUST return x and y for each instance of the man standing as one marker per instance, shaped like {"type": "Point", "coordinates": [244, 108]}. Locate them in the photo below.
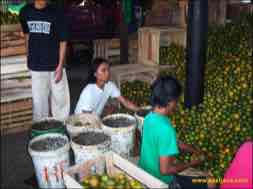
{"type": "Point", "coordinates": [45, 29]}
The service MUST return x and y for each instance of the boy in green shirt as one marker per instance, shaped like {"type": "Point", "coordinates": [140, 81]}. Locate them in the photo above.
{"type": "Point", "coordinates": [159, 143]}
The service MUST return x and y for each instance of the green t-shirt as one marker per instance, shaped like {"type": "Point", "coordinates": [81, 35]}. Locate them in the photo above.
{"type": "Point", "coordinates": [159, 139]}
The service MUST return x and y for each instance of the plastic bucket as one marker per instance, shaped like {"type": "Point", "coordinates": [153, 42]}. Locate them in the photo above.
{"type": "Point", "coordinates": [49, 165]}
{"type": "Point", "coordinates": [38, 132]}
{"type": "Point", "coordinates": [83, 153]}
{"type": "Point", "coordinates": [78, 123]}
{"type": "Point", "coordinates": [122, 137]}
{"type": "Point", "coordinates": [140, 118]}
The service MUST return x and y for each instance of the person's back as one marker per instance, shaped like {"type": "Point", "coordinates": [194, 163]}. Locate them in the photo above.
{"type": "Point", "coordinates": [155, 128]}
{"type": "Point", "coordinates": [159, 146]}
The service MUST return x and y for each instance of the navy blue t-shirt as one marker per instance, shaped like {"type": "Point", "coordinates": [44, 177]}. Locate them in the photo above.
{"type": "Point", "coordinates": [46, 28]}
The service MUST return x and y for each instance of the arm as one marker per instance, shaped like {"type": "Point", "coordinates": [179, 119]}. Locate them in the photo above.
{"type": "Point", "coordinates": [62, 53]}
{"type": "Point", "coordinates": [84, 104]}
{"type": "Point", "coordinates": [168, 148]}
{"type": "Point", "coordinates": [62, 33]}
{"type": "Point", "coordinates": [187, 148]}
{"type": "Point", "coordinates": [127, 103]}
{"type": "Point", "coordinates": [169, 167]}
{"type": "Point", "coordinates": [26, 35]}
{"type": "Point", "coordinates": [24, 26]}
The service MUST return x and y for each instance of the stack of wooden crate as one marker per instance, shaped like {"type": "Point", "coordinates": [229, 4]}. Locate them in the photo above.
{"type": "Point", "coordinates": [12, 41]}
{"type": "Point", "coordinates": [16, 95]}
{"type": "Point", "coordinates": [16, 105]}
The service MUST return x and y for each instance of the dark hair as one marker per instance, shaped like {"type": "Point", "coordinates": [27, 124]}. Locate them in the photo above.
{"type": "Point", "coordinates": [95, 64]}
{"type": "Point", "coordinates": [164, 90]}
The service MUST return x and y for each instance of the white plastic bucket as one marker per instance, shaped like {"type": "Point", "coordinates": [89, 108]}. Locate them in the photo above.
{"type": "Point", "coordinates": [83, 153]}
{"type": "Point", "coordinates": [49, 165]}
{"type": "Point", "coordinates": [140, 119]}
{"type": "Point", "coordinates": [88, 120]}
{"type": "Point", "coordinates": [122, 137]}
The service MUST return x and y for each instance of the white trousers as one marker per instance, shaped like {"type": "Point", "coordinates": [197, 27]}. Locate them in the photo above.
{"type": "Point", "coordinates": [48, 95]}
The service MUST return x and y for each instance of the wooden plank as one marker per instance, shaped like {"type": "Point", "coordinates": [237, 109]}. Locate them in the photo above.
{"type": "Point", "coordinates": [13, 51]}
{"type": "Point", "coordinates": [23, 123]}
{"type": "Point", "coordinates": [14, 130]}
{"type": "Point", "coordinates": [114, 52]}
{"type": "Point", "coordinates": [12, 43]}
{"type": "Point", "coordinates": [13, 60]}
{"type": "Point", "coordinates": [17, 106]}
{"type": "Point", "coordinates": [109, 165]}
{"type": "Point", "coordinates": [15, 83]}
{"type": "Point", "coordinates": [114, 44]}
{"type": "Point", "coordinates": [21, 74]}
{"type": "Point", "coordinates": [11, 35]}
{"type": "Point", "coordinates": [13, 122]}
{"type": "Point", "coordinates": [16, 114]}
{"type": "Point", "coordinates": [69, 181]}
{"type": "Point", "coordinates": [10, 27]}
{"type": "Point", "coordinates": [16, 95]}
{"type": "Point", "coordinates": [26, 123]}
{"type": "Point", "coordinates": [137, 173]}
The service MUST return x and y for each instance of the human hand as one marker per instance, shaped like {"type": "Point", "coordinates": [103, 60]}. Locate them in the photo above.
{"type": "Point", "coordinates": [197, 159]}
{"type": "Point", "coordinates": [195, 162]}
{"type": "Point", "coordinates": [58, 73]}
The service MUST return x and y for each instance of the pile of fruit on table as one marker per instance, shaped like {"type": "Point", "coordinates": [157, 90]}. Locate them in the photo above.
{"type": "Point", "coordinates": [119, 181]}
{"type": "Point", "coordinates": [220, 124]}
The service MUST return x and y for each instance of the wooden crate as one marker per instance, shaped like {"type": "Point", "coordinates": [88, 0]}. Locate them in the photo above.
{"type": "Point", "coordinates": [235, 9]}
{"type": "Point", "coordinates": [167, 13]}
{"type": "Point", "coordinates": [114, 165]}
{"type": "Point", "coordinates": [16, 116]}
{"type": "Point", "coordinates": [110, 49]}
{"type": "Point", "coordinates": [150, 39]}
{"type": "Point", "coordinates": [16, 105]}
{"type": "Point", "coordinates": [14, 67]}
{"type": "Point", "coordinates": [12, 41]}
{"type": "Point", "coordinates": [131, 72]}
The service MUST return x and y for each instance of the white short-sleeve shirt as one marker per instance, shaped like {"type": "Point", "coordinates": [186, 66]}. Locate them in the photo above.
{"type": "Point", "coordinates": [94, 98]}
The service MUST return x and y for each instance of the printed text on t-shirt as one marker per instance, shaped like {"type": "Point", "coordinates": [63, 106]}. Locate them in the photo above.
{"type": "Point", "coordinates": [39, 27]}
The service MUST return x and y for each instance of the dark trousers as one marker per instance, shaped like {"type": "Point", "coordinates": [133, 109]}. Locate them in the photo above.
{"type": "Point", "coordinates": [187, 182]}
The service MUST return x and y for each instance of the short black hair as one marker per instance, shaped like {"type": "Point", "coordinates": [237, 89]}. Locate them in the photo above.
{"type": "Point", "coordinates": [97, 62]}
{"type": "Point", "coordinates": [94, 66]}
{"type": "Point", "coordinates": [164, 90]}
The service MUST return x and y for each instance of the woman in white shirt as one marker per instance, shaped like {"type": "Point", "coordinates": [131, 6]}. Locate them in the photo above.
{"type": "Point", "coordinates": [96, 94]}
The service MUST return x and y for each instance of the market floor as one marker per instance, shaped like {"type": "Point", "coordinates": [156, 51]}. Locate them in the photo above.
{"type": "Point", "coordinates": [16, 164]}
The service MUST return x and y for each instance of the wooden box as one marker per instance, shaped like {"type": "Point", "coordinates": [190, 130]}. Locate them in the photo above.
{"type": "Point", "coordinates": [110, 49]}
{"type": "Point", "coordinates": [150, 39]}
{"type": "Point", "coordinates": [12, 40]}
{"type": "Point", "coordinates": [114, 165]}
{"type": "Point", "coordinates": [16, 105]}
{"type": "Point", "coordinates": [131, 72]}
{"type": "Point", "coordinates": [16, 116]}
